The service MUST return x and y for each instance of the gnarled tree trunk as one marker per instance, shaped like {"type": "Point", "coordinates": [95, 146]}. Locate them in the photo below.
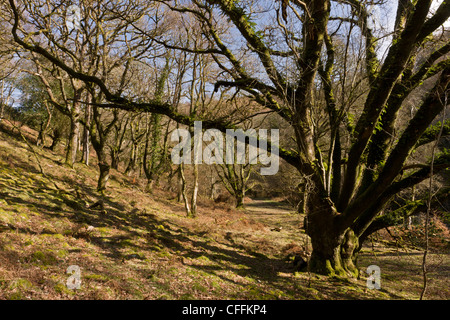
{"type": "Point", "coordinates": [326, 238]}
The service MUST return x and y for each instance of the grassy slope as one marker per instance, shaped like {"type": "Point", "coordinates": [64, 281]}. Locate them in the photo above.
{"type": "Point", "coordinates": [145, 248]}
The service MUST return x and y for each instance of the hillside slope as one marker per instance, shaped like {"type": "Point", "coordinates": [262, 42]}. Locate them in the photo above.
{"type": "Point", "coordinates": [141, 246]}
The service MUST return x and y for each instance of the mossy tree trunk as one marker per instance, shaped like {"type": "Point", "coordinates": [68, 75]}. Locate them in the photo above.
{"type": "Point", "coordinates": [326, 238]}
{"type": "Point", "coordinates": [153, 160]}
{"type": "Point", "coordinates": [103, 177]}
{"type": "Point", "coordinates": [56, 138]}
{"type": "Point", "coordinates": [136, 136]}
{"type": "Point", "coordinates": [184, 192]}
{"type": "Point", "coordinates": [194, 191]}
{"type": "Point", "coordinates": [99, 135]}
{"type": "Point", "coordinates": [86, 135]}
{"type": "Point", "coordinates": [103, 164]}
{"type": "Point", "coordinates": [180, 184]}
{"type": "Point", "coordinates": [74, 133]}
{"type": "Point", "coordinates": [154, 154]}
{"type": "Point", "coordinates": [240, 200]}
{"type": "Point", "coordinates": [335, 232]}
{"type": "Point", "coordinates": [117, 140]}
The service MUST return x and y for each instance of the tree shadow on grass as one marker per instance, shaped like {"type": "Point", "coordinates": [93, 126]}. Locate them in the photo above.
{"type": "Point", "coordinates": [221, 259]}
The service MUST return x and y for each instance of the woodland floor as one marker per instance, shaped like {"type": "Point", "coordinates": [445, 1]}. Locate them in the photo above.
{"type": "Point", "coordinates": [143, 246]}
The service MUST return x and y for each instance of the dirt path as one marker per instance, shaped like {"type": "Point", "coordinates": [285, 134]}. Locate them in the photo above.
{"type": "Point", "coordinates": [279, 217]}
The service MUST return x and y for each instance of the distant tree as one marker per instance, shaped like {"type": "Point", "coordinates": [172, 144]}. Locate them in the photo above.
{"type": "Point", "coordinates": [235, 178]}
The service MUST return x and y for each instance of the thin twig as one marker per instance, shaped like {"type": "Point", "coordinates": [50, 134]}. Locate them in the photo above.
{"type": "Point", "coordinates": [427, 216]}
